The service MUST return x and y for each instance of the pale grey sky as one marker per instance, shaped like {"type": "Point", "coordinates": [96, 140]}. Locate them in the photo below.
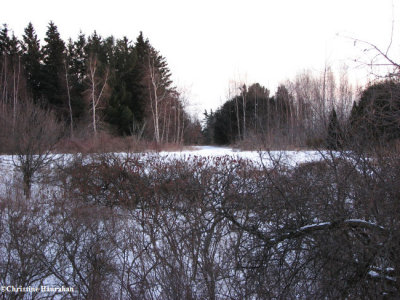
{"type": "Point", "coordinates": [208, 43]}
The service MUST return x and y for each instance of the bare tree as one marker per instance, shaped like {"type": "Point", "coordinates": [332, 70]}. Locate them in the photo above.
{"type": "Point", "coordinates": [243, 91]}
{"type": "Point", "coordinates": [158, 93]}
{"type": "Point", "coordinates": [31, 139]}
{"type": "Point", "coordinates": [97, 89]}
{"type": "Point", "coordinates": [68, 88]}
{"type": "Point", "coordinates": [232, 92]}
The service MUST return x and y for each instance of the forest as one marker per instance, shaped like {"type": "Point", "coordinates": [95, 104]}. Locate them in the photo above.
{"type": "Point", "coordinates": [312, 112]}
{"type": "Point", "coordinates": [91, 207]}
{"type": "Point", "coordinates": [95, 84]}
{"type": "Point", "coordinates": [120, 88]}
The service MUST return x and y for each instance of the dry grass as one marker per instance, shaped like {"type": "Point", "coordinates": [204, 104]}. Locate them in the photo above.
{"type": "Point", "coordinates": [254, 143]}
{"type": "Point", "coordinates": [105, 142]}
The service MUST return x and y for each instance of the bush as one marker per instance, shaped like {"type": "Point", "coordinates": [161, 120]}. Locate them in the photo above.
{"type": "Point", "coordinates": [151, 227]}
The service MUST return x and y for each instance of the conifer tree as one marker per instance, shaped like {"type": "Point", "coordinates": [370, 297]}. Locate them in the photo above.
{"type": "Point", "coordinates": [122, 107]}
{"type": "Point", "coordinates": [4, 40]}
{"type": "Point", "coordinates": [52, 76]}
{"type": "Point", "coordinates": [209, 126]}
{"type": "Point", "coordinates": [10, 69]}
{"type": "Point", "coordinates": [78, 58]}
{"type": "Point", "coordinates": [76, 64]}
{"type": "Point", "coordinates": [139, 90]}
{"type": "Point", "coordinates": [375, 118]}
{"type": "Point", "coordinates": [31, 57]}
{"type": "Point", "coordinates": [4, 58]}
{"type": "Point", "coordinates": [334, 138]}
{"type": "Point", "coordinates": [97, 77]}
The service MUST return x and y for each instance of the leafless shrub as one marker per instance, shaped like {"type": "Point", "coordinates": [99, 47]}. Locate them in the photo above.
{"type": "Point", "coordinates": [132, 226]}
{"type": "Point", "coordinates": [30, 137]}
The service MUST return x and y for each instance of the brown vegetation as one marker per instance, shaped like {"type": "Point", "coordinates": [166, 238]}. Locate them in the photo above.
{"type": "Point", "coordinates": [132, 226]}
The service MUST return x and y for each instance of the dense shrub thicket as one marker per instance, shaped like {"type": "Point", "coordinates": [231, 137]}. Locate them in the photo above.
{"type": "Point", "coordinates": [145, 227]}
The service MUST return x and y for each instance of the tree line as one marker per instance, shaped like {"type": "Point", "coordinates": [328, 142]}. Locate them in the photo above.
{"type": "Point", "coordinates": [94, 84]}
{"type": "Point", "coordinates": [309, 111]}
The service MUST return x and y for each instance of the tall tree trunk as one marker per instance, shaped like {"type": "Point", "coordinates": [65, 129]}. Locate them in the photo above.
{"type": "Point", "coordinates": [94, 107]}
{"type": "Point", "coordinates": [15, 90]}
{"type": "Point", "coordinates": [244, 112]}
{"type": "Point", "coordinates": [178, 126]}
{"type": "Point", "coordinates": [154, 101]}
{"type": "Point", "coordinates": [168, 125]}
{"type": "Point", "coordinates": [71, 125]}
{"type": "Point", "coordinates": [96, 97]}
{"type": "Point", "coordinates": [5, 80]}
{"type": "Point", "coordinates": [237, 116]}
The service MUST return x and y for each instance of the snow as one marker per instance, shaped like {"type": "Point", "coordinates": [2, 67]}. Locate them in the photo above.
{"type": "Point", "coordinates": [221, 239]}
{"type": "Point", "coordinates": [260, 158]}
{"type": "Point", "coordinates": [348, 221]}
{"type": "Point", "coordinates": [314, 226]}
{"type": "Point", "coordinates": [375, 274]}
{"type": "Point", "coordinates": [355, 221]}
{"type": "Point", "coordinates": [290, 158]}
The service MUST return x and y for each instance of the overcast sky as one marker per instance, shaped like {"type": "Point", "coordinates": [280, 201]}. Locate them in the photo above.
{"type": "Point", "coordinates": [208, 43]}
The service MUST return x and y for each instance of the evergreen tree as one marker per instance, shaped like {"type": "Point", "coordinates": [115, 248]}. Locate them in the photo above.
{"type": "Point", "coordinates": [120, 112]}
{"type": "Point", "coordinates": [149, 62]}
{"type": "Point", "coordinates": [209, 126]}
{"type": "Point", "coordinates": [11, 67]}
{"type": "Point", "coordinates": [32, 56]}
{"type": "Point", "coordinates": [138, 87]}
{"type": "Point", "coordinates": [376, 117]}
{"type": "Point", "coordinates": [282, 106]}
{"type": "Point", "coordinates": [113, 72]}
{"type": "Point", "coordinates": [94, 46]}
{"type": "Point", "coordinates": [4, 58]}
{"type": "Point", "coordinates": [334, 137]}
{"type": "Point", "coordinates": [78, 58]}
{"type": "Point", "coordinates": [76, 64]}
{"type": "Point", "coordinates": [228, 121]}
{"type": "Point", "coordinates": [4, 41]}
{"type": "Point", "coordinates": [226, 130]}
{"type": "Point", "coordinates": [54, 89]}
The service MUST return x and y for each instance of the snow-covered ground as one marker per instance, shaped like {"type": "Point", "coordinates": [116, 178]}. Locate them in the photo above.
{"type": "Point", "coordinates": [288, 157]}
{"type": "Point", "coordinates": [189, 240]}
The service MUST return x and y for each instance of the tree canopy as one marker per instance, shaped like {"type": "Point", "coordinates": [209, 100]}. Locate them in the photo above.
{"type": "Point", "coordinates": [68, 76]}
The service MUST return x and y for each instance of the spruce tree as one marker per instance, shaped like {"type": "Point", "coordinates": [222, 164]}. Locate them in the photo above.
{"type": "Point", "coordinates": [122, 106]}
{"type": "Point", "coordinates": [375, 117]}
{"type": "Point", "coordinates": [54, 89]}
{"type": "Point", "coordinates": [76, 62]}
{"type": "Point", "coordinates": [334, 137]}
{"type": "Point", "coordinates": [4, 41]}
{"type": "Point", "coordinates": [94, 45]}
{"type": "Point", "coordinates": [11, 68]}
{"type": "Point", "coordinates": [4, 53]}
{"type": "Point", "coordinates": [31, 57]}
{"type": "Point", "coordinates": [139, 88]}
{"type": "Point", "coordinates": [209, 125]}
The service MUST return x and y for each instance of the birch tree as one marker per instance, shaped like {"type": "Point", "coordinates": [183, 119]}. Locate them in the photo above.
{"type": "Point", "coordinates": [158, 84]}
{"type": "Point", "coordinates": [243, 90]}
{"type": "Point", "coordinates": [97, 90]}
{"type": "Point", "coordinates": [71, 124]}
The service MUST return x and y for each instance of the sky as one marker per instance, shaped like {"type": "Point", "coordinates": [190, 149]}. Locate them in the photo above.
{"type": "Point", "coordinates": [210, 43]}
